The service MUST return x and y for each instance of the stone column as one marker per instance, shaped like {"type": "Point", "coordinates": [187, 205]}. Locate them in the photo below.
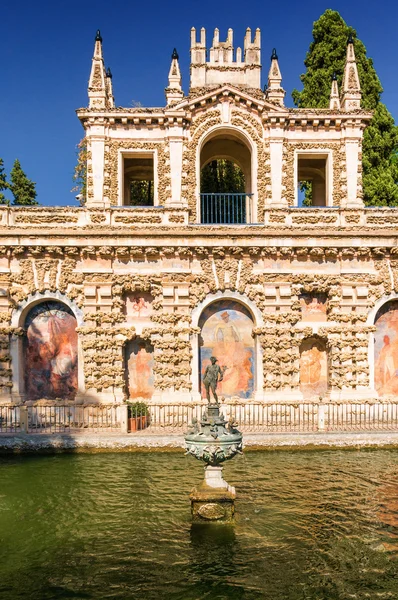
{"type": "Point", "coordinates": [176, 147]}
{"type": "Point", "coordinates": [352, 135]}
{"type": "Point", "coordinates": [95, 167]}
{"type": "Point", "coordinates": [276, 158]}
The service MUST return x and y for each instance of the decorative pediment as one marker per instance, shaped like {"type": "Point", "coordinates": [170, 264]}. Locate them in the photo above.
{"type": "Point", "coordinates": [251, 98]}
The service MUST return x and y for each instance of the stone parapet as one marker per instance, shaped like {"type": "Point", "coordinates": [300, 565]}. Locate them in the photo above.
{"type": "Point", "coordinates": [106, 221]}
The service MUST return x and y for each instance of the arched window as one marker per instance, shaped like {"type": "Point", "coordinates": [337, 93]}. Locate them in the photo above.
{"type": "Point", "coordinates": [386, 349]}
{"type": "Point", "coordinates": [313, 367]}
{"type": "Point", "coordinates": [225, 181]}
{"type": "Point", "coordinates": [226, 333]}
{"type": "Point", "coordinates": [50, 352]}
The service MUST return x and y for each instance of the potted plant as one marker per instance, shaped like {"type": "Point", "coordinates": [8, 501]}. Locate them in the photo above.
{"type": "Point", "coordinates": [137, 416]}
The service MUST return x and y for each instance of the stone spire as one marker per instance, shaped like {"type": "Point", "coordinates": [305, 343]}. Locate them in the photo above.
{"type": "Point", "coordinates": [351, 90]}
{"type": "Point", "coordinates": [174, 91]}
{"type": "Point", "coordinates": [274, 91]}
{"type": "Point", "coordinates": [109, 89]}
{"type": "Point", "coordinates": [97, 82]}
{"type": "Point", "coordinates": [334, 102]}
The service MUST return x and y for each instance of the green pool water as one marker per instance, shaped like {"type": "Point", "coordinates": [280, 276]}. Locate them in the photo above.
{"type": "Point", "coordinates": [309, 525]}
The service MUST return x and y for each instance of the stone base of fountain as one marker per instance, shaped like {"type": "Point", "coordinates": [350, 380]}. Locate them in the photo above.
{"type": "Point", "coordinates": [214, 500]}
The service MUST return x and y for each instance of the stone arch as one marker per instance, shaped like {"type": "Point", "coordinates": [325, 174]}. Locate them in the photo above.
{"type": "Point", "coordinates": [223, 141]}
{"type": "Point", "coordinates": [47, 359]}
{"type": "Point", "coordinates": [226, 323]}
{"type": "Point", "coordinates": [385, 348]}
{"type": "Point", "coordinates": [313, 367]}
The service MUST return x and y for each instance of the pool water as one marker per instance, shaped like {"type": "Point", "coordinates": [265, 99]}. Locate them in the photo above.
{"type": "Point", "coordinates": [309, 525]}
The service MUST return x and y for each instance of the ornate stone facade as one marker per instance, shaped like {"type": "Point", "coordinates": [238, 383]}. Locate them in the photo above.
{"type": "Point", "coordinates": [148, 273]}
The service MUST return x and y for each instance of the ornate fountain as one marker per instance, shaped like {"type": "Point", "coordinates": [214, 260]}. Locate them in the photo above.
{"type": "Point", "coordinates": [213, 440]}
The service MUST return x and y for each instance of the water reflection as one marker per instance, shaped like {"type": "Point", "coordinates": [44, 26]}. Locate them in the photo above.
{"type": "Point", "coordinates": [309, 526]}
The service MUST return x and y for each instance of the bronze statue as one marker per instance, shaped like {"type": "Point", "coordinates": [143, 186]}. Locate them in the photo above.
{"type": "Point", "coordinates": [212, 376]}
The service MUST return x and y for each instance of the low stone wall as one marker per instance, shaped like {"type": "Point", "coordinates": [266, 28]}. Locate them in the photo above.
{"type": "Point", "coordinates": [27, 444]}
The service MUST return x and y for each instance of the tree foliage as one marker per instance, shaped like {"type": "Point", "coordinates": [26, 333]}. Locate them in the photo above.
{"type": "Point", "coordinates": [80, 172]}
{"type": "Point", "coordinates": [4, 185]}
{"type": "Point", "coordinates": [326, 55]}
{"type": "Point", "coordinates": [141, 193]}
{"type": "Point", "coordinates": [222, 176]}
{"type": "Point", "coordinates": [22, 188]}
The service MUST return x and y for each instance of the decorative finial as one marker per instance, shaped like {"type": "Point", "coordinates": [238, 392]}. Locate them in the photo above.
{"type": "Point", "coordinates": [98, 37]}
{"type": "Point", "coordinates": [109, 73]}
{"type": "Point", "coordinates": [334, 76]}
{"type": "Point", "coordinates": [274, 55]}
{"type": "Point", "coordinates": [174, 56]}
{"type": "Point", "coordinates": [350, 39]}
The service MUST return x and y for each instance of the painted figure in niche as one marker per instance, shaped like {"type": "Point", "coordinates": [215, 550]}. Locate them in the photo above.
{"type": "Point", "coordinates": [51, 352]}
{"type": "Point", "coordinates": [138, 307]}
{"type": "Point", "coordinates": [227, 335]}
{"type": "Point", "coordinates": [386, 350]}
{"type": "Point", "coordinates": [313, 307]}
{"type": "Point", "coordinates": [313, 368]}
{"type": "Point", "coordinates": [140, 370]}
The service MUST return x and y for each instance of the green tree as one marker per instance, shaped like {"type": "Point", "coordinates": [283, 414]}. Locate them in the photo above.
{"type": "Point", "coordinates": [3, 184]}
{"type": "Point", "coordinates": [222, 176]}
{"type": "Point", "coordinates": [22, 188]}
{"type": "Point", "coordinates": [326, 55]}
{"type": "Point", "coordinates": [80, 172]}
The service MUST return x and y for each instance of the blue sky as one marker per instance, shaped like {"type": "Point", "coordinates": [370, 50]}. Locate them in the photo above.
{"type": "Point", "coordinates": [46, 50]}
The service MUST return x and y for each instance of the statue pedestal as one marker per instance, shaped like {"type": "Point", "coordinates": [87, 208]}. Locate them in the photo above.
{"type": "Point", "coordinates": [214, 500]}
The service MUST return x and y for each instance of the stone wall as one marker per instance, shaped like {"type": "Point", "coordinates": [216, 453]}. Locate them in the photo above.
{"type": "Point", "coordinates": [93, 267]}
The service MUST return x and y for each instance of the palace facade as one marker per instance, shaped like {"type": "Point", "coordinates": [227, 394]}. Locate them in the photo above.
{"type": "Point", "coordinates": [128, 296]}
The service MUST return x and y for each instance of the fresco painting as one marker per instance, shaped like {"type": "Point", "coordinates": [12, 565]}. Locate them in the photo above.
{"type": "Point", "coordinates": [50, 352]}
{"type": "Point", "coordinates": [140, 379]}
{"type": "Point", "coordinates": [138, 307]}
{"type": "Point", "coordinates": [313, 368]}
{"type": "Point", "coordinates": [313, 307]}
{"type": "Point", "coordinates": [386, 350]}
{"type": "Point", "coordinates": [227, 334]}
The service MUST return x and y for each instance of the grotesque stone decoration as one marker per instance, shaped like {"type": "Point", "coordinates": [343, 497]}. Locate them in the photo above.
{"type": "Point", "coordinates": [250, 288]}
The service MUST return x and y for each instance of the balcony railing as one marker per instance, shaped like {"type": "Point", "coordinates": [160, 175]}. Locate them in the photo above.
{"type": "Point", "coordinates": [225, 209]}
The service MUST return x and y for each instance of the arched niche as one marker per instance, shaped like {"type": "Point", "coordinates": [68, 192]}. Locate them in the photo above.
{"type": "Point", "coordinates": [18, 344]}
{"type": "Point", "coordinates": [50, 352]}
{"type": "Point", "coordinates": [139, 370]}
{"type": "Point", "coordinates": [226, 332]}
{"type": "Point", "coordinates": [386, 349]}
{"type": "Point", "coordinates": [313, 367]}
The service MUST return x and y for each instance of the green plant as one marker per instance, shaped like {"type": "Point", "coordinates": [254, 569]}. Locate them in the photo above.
{"type": "Point", "coordinates": [137, 409]}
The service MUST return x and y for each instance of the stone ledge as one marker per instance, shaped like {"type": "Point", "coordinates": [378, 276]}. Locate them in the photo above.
{"type": "Point", "coordinates": [37, 443]}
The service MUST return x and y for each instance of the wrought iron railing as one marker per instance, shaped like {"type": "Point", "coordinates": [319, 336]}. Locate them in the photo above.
{"type": "Point", "coordinates": [73, 418]}
{"type": "Point", "coordinates": [225, 209]}
{"type": "Point", "coordinates": [9, 419]}
{"type": "Point", "coordinates": [176, 418]}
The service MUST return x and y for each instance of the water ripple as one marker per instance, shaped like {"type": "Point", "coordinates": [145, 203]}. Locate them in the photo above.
{"type": "Point", "coordinates": [309, 526]}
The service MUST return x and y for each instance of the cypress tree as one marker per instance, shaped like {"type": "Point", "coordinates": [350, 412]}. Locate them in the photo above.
{"type": "Point", "coordinates": [22, 188]}
{"type": "Point", "coordinates": [326, 55]}
{"type": "Point", "coordinates": [3, 184]}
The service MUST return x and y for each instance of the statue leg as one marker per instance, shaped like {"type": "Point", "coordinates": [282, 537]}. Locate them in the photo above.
{"type": "Point", "coordinates": [213, 389]}
{"type": "Point", "coordinates": [207, 388]}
